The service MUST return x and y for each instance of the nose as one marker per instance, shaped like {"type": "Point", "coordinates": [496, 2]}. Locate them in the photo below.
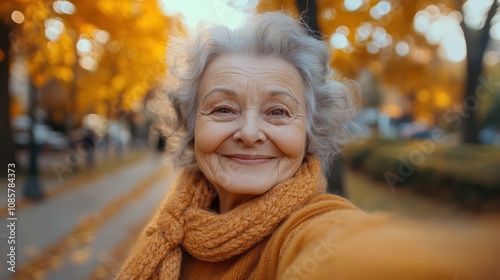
{"type": "Point", "coordinates": [250, 131]}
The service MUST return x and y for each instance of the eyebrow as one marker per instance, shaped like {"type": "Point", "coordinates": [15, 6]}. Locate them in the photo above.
{"type": "Point", "coordinates": [223, 90]}
{"type": "Point", "coordinates": [232, 93]}
{"type": "Point", "coordinates": [286, 93]}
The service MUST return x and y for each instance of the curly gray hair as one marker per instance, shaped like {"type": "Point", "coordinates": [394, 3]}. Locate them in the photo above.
{"type": "Point", "coordinates": [330, 104]}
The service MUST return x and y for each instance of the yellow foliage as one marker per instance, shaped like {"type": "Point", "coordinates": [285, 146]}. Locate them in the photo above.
{"type": "Point", "coordinates": [129, 60]}
{"type": "Point", "coordinates": [423, 96]}
{"type": "Point", "coordinates": [442, 99]}
{"type": "Point", "coordinates": [109, 6]}
{"type": "Point", "coordinates": [125, 60]}
{"type": "Point", "coordinates": [118, 82]}
{"type": "Point", "coordinates": [435, 84]}
{"type": "Point", "coordinates": [101, 109]}
{"type": "Point", "coordinates": [87, 28]}
{"type": "Point", "coordinates": [64, 74]}
{"type": "Point", "coordinates": [278, 5]}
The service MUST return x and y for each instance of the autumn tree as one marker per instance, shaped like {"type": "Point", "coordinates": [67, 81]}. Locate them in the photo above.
{"type": "Point", "coordinates": [477, 42]}
{"type": "Point", "coordinates": [104, 55]}
{"type": "Point", "coordinates": [120, 54]}
{"type": "Point", "coordinates": [402, 43]}
{"type": "Point", "coordinates": [82, 57]}
{"type": "Point", "coordinates": [19, 23]}
{"type": "Point", "coordinates": [6, 145]}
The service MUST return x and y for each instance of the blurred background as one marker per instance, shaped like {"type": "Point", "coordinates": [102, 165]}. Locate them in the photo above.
{"type": "Point", "coordinates": [79, 82]}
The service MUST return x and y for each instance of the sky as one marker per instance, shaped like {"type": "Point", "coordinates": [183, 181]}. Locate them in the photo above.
{"type": "Point", "coordinates": [228, 12]}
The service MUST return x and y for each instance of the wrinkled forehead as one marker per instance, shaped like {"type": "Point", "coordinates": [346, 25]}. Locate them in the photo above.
{"type": "Point", "coordinates": [248, 73]}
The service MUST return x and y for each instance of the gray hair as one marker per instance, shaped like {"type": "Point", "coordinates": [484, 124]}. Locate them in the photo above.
{"type": "Point", "coordinates": [330, 104]}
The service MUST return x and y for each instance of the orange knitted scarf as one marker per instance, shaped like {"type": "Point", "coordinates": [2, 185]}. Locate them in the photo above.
{"type": "Point", "coordinates": [185, 220]}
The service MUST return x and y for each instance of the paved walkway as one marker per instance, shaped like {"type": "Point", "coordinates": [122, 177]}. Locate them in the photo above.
{"type": "Point", "coordinates": [56, 168]}
{"type": "Point", "coordinates": [68, 235]}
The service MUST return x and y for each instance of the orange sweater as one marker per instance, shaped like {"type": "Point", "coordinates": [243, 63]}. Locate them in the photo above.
{"type": "Point", "coordinates": [345, 243]}
{"type": "Point", "coordinates": [294, 231]}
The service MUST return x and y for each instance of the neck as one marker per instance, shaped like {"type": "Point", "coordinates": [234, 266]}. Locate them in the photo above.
{"type": "Point", "coordinates": [228, 201]}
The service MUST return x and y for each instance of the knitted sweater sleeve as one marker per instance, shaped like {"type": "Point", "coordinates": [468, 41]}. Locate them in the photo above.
{"type": "Point", "coordinates": [355, 245]}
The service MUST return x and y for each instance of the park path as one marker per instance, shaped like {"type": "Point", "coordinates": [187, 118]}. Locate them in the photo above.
{"type": "Point", "coordinates": [73, 234]}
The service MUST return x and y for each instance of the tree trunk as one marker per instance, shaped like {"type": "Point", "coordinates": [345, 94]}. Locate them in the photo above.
{"type": "Point", "coordinates": [476, 42]}
{"type": "Point", "coordinates": [6, 145]}
{"type": "Point", "coordinates": [308, 11]}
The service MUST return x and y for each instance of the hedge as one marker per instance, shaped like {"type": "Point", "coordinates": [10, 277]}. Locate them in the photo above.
{"type": "Point", "coordinates": [466, 174]}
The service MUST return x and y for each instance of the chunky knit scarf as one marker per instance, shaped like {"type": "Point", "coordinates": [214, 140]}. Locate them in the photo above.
{"type": "Point", "coordinates": [185, 220]}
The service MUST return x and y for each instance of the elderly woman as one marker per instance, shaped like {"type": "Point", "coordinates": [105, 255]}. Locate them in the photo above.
{"type": "Point", "coordinates": [261, 117]}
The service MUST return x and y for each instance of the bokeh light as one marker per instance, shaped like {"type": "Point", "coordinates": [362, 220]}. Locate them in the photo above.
{"type": "Point", "coordinates": [363, 32]}
{"type": "Point", "coordinates": [435, 32]}
{"type": "Point", "coordinates": [343, 30]}
{"type": "Point", "coordinates": [339, 41]}
{"type": "Point", "coordinates": [402, 48]}
{"type": "Point", "coordinates": [101, 36]}
{"type": "Point", "coordinates": [329, 13]}
{"type": "Point", "coordinates": [17, 17]}
{"type": "Point", "coordinates": [421, 21]}
{"type": "Point", "coordinates": [380, 38]}
{"type": "Point", "coordinates": [381, 9]}
{"type": "Point", "coordinates": [229, 13]}
{"type": "Point", "coordinates": [54, 27]}
{"type": "Point", "coordinates": [372, 48]}
{"type": "Point", "coordinates": [443, 30]}
{"type": "Point", "coordinates": [84, 46]}
{"type": "Point", "coordinates": [352, 5]}
{"type": "Point", "coordinates": [88, 63]}
{"type": "Point", "coordinates": [64, 7]}
{"type": "Point", "coordinates": [475, 13]}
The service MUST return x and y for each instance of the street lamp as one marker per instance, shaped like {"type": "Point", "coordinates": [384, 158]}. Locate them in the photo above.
{"type": "Point", "coordinates": [32, 188]}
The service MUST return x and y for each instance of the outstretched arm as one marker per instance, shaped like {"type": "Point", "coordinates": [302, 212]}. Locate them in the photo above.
{"type": "Point", "coordinates": [353, 245]}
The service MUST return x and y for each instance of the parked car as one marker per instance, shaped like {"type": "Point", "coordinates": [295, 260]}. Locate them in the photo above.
{"type": "Point", "coordinates": [44, 135]}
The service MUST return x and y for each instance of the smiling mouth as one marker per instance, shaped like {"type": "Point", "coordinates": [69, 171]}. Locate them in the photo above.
{"type": "Point", "coordinates": [249, 159]}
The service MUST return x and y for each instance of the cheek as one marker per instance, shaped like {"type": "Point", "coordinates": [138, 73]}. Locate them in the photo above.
{"type": "Point", "coordinates": [209, 135]}
{"type": "Point", "coordinates": [290, 140]}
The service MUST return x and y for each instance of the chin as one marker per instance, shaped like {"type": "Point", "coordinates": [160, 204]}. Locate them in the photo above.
{"type": "Point", "coordinates": [250, 188]}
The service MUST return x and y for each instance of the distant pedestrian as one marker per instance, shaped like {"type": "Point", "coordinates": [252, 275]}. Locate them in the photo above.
{"type": "Point", "coordinates": [88, 143]}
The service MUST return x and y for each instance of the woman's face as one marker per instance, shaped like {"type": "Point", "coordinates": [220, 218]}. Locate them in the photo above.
{"type": "Point", "coordinates": [250, 131]}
